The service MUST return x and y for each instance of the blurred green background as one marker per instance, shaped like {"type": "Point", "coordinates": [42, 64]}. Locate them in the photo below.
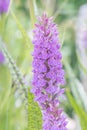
{"type": "Point", "coordinates": [17, 39]}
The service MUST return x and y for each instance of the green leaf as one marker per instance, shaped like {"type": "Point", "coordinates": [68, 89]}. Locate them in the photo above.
{"type": "Point", "coordinates": [34, 114]}
{"type": "Point", "coordinates": [5, 86]}
{"type": "Point", "coordinates": [78, 91]}
{"type": "Point", "coordinates": [81, 64]}
{"type": "Point", "coordinates": [78, 110]}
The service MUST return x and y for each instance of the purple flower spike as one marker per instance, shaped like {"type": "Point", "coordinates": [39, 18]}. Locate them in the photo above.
{"type": "Point", "coordinates": [2, 59]}
{"type": "Point", "coordinates": [48, 74]}
{"type": "Point", "coordinates": [81, 28]}
{"type": "Point", "coordinates": [4, 5]}
{"type": "Point", "coordinates": [84, 38]}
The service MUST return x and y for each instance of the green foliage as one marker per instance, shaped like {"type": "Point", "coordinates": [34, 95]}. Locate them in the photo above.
{"type": "Point", "coordinates": [81, 64]}
{"type": "Point", "coordinates": [33, 110]}
{"type": "Point", "coordinates": [34, 114]}
{"type": "Point", "coordinates": [76, 87]}
{"type": "Point", "coordinates": [79, 111]}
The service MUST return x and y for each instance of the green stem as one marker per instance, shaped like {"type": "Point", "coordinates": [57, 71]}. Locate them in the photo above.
{"type": "Point", "coordinates": [2, 25]}
{"type": "Point", "coordinates": [32, 12]}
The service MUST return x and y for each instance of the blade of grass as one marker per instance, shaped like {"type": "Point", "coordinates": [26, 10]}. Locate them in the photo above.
{"type": "Point", "coordinates": [16, 74]}
{"type": "Point", "coordinates": [78, 110]}
{"type": "Point", "coordinates": [32, 12]}
{"type": "Point", "coordinates": [78, 90]}
{"type": "Point", "coordinates": [22, 30]}
{"type": "Point", "coordinates": [81, 64]}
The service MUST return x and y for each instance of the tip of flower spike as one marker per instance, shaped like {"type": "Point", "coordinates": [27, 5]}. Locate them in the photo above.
{"type": "Point", "coordinates": [44, 19]}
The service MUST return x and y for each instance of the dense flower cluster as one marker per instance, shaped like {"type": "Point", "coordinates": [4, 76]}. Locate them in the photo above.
{"type": "Point", "coordinates": [4, 4]}
{"type": "Point", "coordinates": [2, 59]}
{"type": "Point", "coordinates": [48, 74]}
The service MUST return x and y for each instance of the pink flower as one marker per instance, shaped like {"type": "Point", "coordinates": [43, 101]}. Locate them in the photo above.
{"type": "Point", "coordinates": [48, 74]}
{"type": "Point", "coordinates": [4, 5]}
